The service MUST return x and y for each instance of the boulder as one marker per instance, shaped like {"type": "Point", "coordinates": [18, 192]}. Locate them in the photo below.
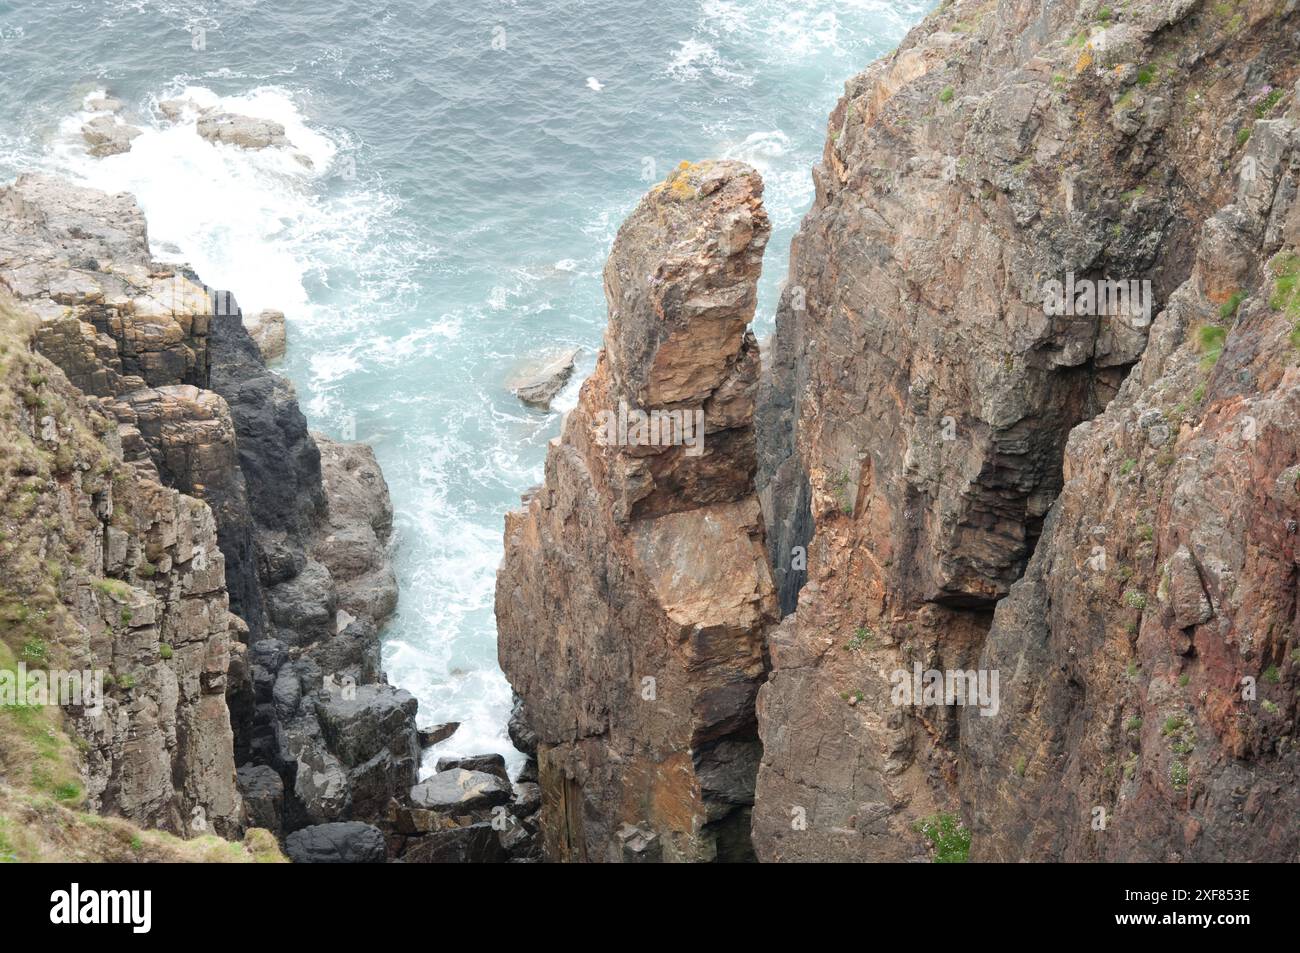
{"type": "Point", "coordinates": [436, 733]}
{"type": "Point", "coordinates": [378, 717]}
{"type": "Point", "coordinates": [268, 330]}
{"type": "Point", "coordinates": [105, 136]}
{"type": "Point", "coordinates": [475, 844]}
{"type": "Point", "coordinates": [458, 791]}
{"type": "Point", "coordinates": [347, 842]}
{"type": "Point", "coordinates": [493, 764]}
{"type": "Point", "coordinates": [537, 384]}
{"type": "Point", "coordinates": [246, 132]}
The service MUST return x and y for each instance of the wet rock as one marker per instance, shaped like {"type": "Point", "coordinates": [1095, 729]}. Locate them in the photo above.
{"type": "Point", "coordinates": [246, 132]}
{"type": "Point", "coordinates": [106, 136]}
{"type": "Point", "coordinates": [341, 843]}
{"type": "Point", "coordinates": [437, 733]}
{"type": "Point", "coordinates": [457, 791]}
{"type": "Point", "coordinates": [493, 764]}
{"type": "Point", "coordinates": [528, 799]}
{"type": "Point", "coordinates": [538, 384]}
{"type": "Point", "coordinates": [475, 844]}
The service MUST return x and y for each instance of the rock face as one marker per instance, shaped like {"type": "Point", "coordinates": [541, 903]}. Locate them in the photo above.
{"type": "Point", "coordinates": [103, 568]}
{"type": "Point", "coordinates": [914, 423]}
{"type": "Point", "coordinates": [268, 332]}
{"type": "Point", "coordinates": [1154, 639]}
{"type": "Point", "coordinates": [300, 525]}
{"type": "Point", "coordinates": [634, 592]}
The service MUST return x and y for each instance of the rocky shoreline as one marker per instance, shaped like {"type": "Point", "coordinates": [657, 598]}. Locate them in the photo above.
{"type": "Point", "coordinates": [246, 557]}
{"type": "Point", "coordinates": [705, 608]}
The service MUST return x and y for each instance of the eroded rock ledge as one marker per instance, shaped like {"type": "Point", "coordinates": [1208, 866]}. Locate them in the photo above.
{"type": "Point", "coordinates": [634, 593]}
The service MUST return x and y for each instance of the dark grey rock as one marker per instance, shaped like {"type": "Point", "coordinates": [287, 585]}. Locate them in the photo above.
{"type": "Point", "coordinates": [475, 844]}
{"type": "Point", "coordinates": [348, 842]}
{"type": "Point", "coordinates": [263, 791]}
{"type": "Point", "coordinates": [493, 764]}
{"type": "Point", "coordinates": [460, 791]}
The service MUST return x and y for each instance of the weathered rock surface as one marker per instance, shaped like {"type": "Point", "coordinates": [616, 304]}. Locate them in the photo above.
{"type": "Point", "coordinates": [461, 791]}
{"type": "Point", "coordinates": [342, 843]}
{"type": "Point", "coordinates": [268, 332]}
{"type": "Point", "coordinates": [263, 792]}
{"type": "Point", "coordinates": [299, 548]}
{"type": "Point", "coordinates": [104, 568]}
{"type": "Point", "coordinates": [634, 593]}
{"type": "Point", "coordinates": [473, 844]}
{"type": "Point", "coordinates": [106, 136]}
{"type": "Point", "coordinates": [537, 385]}
{"type": "Point", "coordinates": [1151, 652]}
{"type": "Point", "coordinates": [493, 764]}
{"type": "Point", "coordinates": [246, 132]}
{"type": "Point", "coordinates": [916, 410]}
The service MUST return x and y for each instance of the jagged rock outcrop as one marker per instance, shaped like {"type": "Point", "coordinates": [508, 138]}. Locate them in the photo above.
{"type": "Point", "coordinates": [104, 569]}
{"type": "Point", "coordinates": [302, 541]}
{"type": "Point", "coordinates": [1152, 650]}
{"type": "Point", "coordinates": [919, 398]}
{"type": "Point", "coordinates": [634, 593]}
{"type": "Point", "coordinates": [246, 132]}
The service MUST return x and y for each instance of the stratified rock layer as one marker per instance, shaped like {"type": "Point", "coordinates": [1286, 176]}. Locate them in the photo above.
{"type": "Point", "coordinates": [634, 593]}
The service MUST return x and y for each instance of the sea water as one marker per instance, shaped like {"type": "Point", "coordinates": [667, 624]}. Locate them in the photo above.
{"type": "Point", "coordinates": [458, 173]}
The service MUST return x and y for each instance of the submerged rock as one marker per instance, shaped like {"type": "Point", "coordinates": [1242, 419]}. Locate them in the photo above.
{"type": "Point", "coordinates": [106, 136]}
{"type": "Point", "coordinates": [246, 132]}
{"type": "Point", "coordinates": [538, 384]}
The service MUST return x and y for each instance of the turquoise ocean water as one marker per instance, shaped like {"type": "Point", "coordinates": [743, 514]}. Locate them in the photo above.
{"type": "Point", "coordinates": [470, 163]}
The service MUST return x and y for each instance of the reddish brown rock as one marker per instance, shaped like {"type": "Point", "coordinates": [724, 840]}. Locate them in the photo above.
{"type": "Point", "coordinates": [634, 593]}
{"type": "Point", "coordinates": [915, 419]}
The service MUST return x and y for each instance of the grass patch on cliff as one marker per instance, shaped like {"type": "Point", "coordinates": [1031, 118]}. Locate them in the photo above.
{"type": "Point", "coordinates": [949, 840]}
{"type": "Point", "coordinates": [35, 751]}
{"type": "Point", "coordinates": [1210, 339]}
{"type": "Point", "coordinates": [39, 829]}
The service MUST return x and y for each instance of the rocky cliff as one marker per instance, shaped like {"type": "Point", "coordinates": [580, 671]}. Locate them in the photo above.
{"type": "Point", "coordinates": [932, 395]}
{"type": "Point", "coordinates": [634, 592]}
{"type": "Point", "coordinates": [1026, 425]}
{"type": "Point", "coordinates": [215, 557]}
